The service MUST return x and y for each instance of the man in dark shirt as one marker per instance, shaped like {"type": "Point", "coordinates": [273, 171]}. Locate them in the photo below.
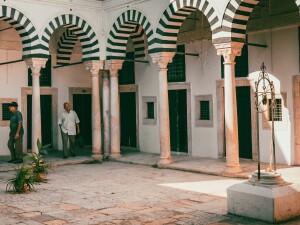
{"type": "Point", "coordinates": [16, 134]}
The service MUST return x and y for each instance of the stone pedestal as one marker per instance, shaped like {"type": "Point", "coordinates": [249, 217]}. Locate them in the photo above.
{"type": "Point", "coordinates": [271, 203]}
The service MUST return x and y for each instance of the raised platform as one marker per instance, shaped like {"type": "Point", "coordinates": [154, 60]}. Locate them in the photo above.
{"type": "Point", "coordinates": [271, 203]}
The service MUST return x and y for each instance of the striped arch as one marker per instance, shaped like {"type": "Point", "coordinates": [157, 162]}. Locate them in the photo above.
{"type": "Point", "coordinates": [235, 19]}
{"type": "Point", "coordinates": [139, 42]}
{"type": "Point", "coordinates": [25, 28]}
{"type": "Point", "coordinates": [78, 27]}
{"type": "Point", "coordinates": [134, 24]}
{"type": "Point", "coordinates": [173, 17]}
{"type": "Point", "coordinates": [65, 46]}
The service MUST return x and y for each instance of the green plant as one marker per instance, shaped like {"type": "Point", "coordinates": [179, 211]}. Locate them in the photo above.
{"type": "Point", "coordinates": [22, 181]}
{"type": "Point", "coordinates": [39, 166]}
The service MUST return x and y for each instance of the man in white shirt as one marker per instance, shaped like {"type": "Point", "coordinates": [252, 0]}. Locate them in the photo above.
{"type": "Point", "coordinates": [69, 126]}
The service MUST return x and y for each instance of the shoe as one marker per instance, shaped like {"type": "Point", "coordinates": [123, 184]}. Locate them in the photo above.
{"type": "Point", "coordinates": [65, 157]}
{"type": "Point", "coordinates": [11, 161]}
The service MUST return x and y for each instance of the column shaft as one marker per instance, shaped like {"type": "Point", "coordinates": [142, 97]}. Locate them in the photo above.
{"type": "Point", "coordinates": [114, 115]}
{"type": "Point", "coordinates": [164, 120]}
{"type": "Point", "coordinates": [36, 111]}
{"type": "Point", "coordinates": [231, 126]}
{"type": "Point", "coordinates": [96, 118]}
{"type": "Point", "coordinates": [106, 114]}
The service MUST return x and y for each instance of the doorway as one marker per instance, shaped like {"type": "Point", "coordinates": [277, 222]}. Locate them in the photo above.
{"type": "Point", "coordinates": [46, 119]}
{"type": "Point", "coordinates": [244, 122]}
{"type": "Point", "coordinates": [82, 105]}
{"type": "Point", "coordinates": [178, 120]}
{"type": "Point", "coordinates": [128, 119]}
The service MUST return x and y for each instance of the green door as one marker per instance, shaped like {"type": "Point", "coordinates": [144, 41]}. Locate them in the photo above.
{"type": "Point", "coordinates": [128, 119]}
{"type": "Point", "coordinates": [178, 120]}
{"type": "Point", "coordinates": [82, 105]}
{"type": "Point", "coordinates": [46, 119]}
{"type": "Point", "coordinates": [244, 122]}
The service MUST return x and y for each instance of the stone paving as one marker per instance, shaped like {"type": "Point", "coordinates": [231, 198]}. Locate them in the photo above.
{"type": "Point", "coordinates": [118, 193]}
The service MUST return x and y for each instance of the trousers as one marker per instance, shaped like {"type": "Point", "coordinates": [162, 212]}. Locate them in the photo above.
{"type": "Point", "coordinates": [15, 147]}
{"type": "Point", "coordinates": [65, 139]}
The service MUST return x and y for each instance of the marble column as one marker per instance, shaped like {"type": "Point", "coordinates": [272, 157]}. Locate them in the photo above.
{"type": "Point", "coordinates": [229, 52]}
{"type": "Point", "coordinates": [162, 59]}
{"type": "Point", "coordinates": [35, 64]}
{"type": "Point", "coordinates": [114, 66]}
{"type": "Point", "coordinates": [94, 68]}
{"type": "Point", "coordinates": [106, 113]}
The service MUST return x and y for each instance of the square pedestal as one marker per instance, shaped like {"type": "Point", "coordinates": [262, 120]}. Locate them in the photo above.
{"type": "Point", "coordinates": [271, 204]}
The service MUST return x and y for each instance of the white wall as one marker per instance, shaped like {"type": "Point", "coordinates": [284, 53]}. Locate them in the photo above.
{"type": "Point", "coordinates": [281, 58]}
{"type": "Point", "coordinates": [202, 72]}
{"type": "Point", "coordinates": [147, 80]}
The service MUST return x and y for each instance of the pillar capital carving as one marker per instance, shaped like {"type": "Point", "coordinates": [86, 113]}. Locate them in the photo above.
{"type": "Point", "coordinates": [94, 66]}
{"type": "Point", "coordinates": [162, 59]}
{"type": "Point", "coordinates": [229, 50]}
{"type": "Point", "coordinates": [35, 64]}
{"type": "Point", "coordinates": [113, 66]}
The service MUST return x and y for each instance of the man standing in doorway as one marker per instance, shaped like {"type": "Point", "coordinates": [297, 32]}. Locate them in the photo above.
{"type": "Point", "coordinates": [69, 125]}
{"type": "Point", "coordinates": [16, 134]}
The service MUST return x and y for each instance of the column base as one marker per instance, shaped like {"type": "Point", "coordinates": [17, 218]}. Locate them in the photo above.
{"type": "Point", "coordinates": [233, 169]}
{"type": "Point", "coordinates": [164, 162]}
{"type": "Point", "coordinates": [115, 155]}
{"type": "Point", "coordinates": [97, 157]}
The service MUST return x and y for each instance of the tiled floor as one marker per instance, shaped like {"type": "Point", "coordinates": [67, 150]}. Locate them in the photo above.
{"type": "Point", "coordinates": [119, 193]}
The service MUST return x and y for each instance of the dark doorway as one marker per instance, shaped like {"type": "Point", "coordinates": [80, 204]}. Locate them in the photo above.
{"type": "Point", "coordinates": [46, 119]}
{"type": "Point", "coordinates": [178, 120]}
{"type": "Point", "coordinates": [82, 105]}
{"type": "Point", "coordinates": [128, 119]}
{"type": "Point", "coordinates": [244, 121]}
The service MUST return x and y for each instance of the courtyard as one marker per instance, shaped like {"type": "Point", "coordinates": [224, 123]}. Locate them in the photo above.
{"type": "Point", "coordinates": [119, 193]}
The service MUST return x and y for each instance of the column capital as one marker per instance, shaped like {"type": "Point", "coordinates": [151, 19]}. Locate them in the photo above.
{"type": "Point", "coordinates": [113, 66]}
{"type": "Point", "coordinates": [94, 66]}
{"type": "Point", "coordinates": [229, 50]}
{"type": "Point", "coordinates": [162, 58]}
{"type": "Point", "coordinates": [35, 64]}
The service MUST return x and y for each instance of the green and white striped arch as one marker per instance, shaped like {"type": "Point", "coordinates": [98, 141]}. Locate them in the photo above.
{"type": "Point", "coordinates": [80, 28]}
{"type": "Point", "coordinates": [134, 24]}
{"type": "Point", "coordinates": [235, 20]}
{"type": "Point", "coordinates": [65, 46]}
{"type": "Point", "coordinates": [25, 28]}
{"type": "Point", "coordinates": [173, 17]}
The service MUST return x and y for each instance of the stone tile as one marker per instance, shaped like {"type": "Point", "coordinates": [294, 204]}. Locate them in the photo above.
{"type": "Point", "coordinates": [42, 218]}
{"type": "Point", "coordinates": [55, 222]}
{"type": "Point", "coordinates": [68, 207]}
{"type": "Point", "coordinates": [162, 221]}
{"type": "Point", "coordinates": [114, 210]}
{"type": "Point", "coordinates": [30, 214]}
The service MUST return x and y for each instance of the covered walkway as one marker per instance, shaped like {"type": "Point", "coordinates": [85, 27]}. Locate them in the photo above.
{"type": "Point", "coordinates": [180, 162]}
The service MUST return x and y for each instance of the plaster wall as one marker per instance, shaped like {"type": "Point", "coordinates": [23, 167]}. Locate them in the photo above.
{"type": "Point", "coordinates": [281, 58]}
{"type": "Point", "coordinates": [202, 72]}
{"type": "Point", "coordinates": [147, 81]}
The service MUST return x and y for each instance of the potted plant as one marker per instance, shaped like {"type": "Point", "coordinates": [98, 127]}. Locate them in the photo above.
{"type": "Point", "coordinates": [22, 181]}
{"type": "Point", "coordinates": [39, 166]}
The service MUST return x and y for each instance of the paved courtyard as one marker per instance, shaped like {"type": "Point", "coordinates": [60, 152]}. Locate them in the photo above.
{"type": "Point", "coordinates": [118, 193]}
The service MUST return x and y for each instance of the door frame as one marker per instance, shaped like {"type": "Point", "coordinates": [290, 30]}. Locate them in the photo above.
{"type": "Point", "coordinates": [185, 86]}
{"type": "Point", "coordinates": [239, 82]}
{"type": "Point", "coordinates": [132, 88]}
{"type": "Point", "coordinates": [296, 108]}
{"type": "Point", "coordinates": [78, 91]}
{"type": "Point", "coordinates": [43, 91]}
